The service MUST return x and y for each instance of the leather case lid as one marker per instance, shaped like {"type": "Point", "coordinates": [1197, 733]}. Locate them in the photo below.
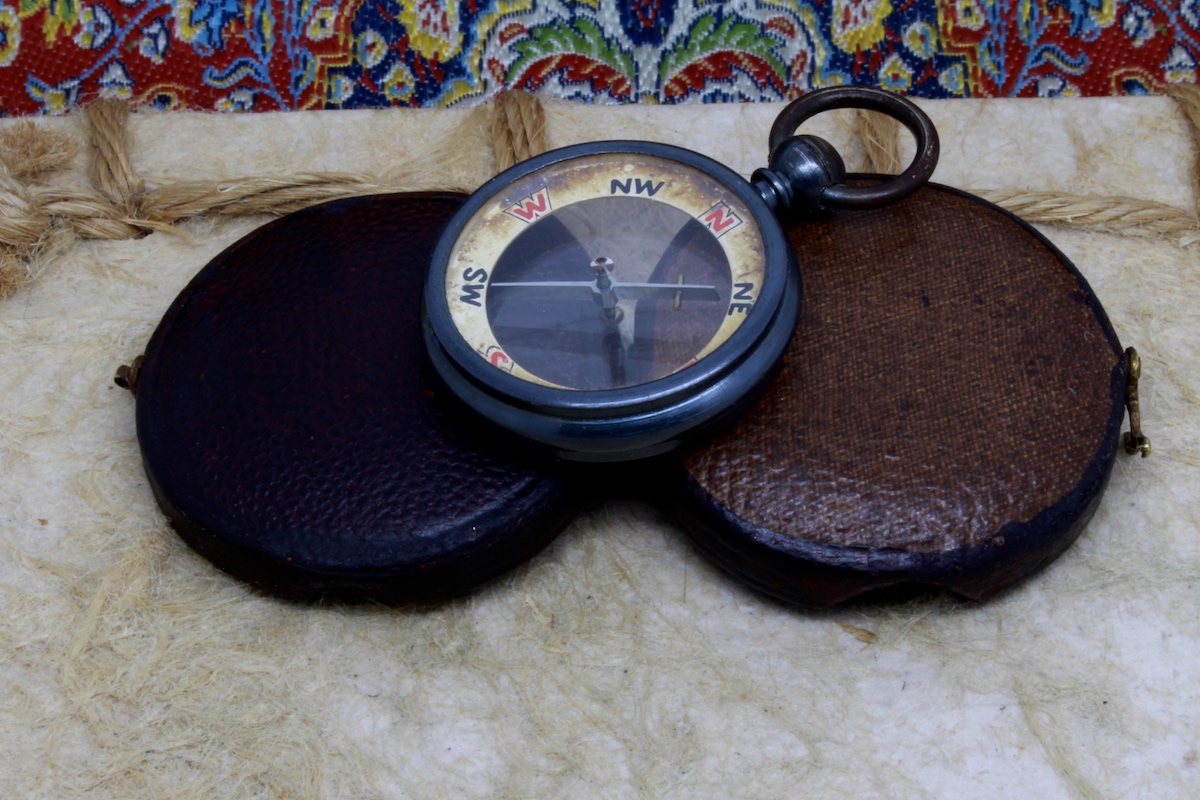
{"type": "Point", "coordinates": [946, 414]}
{"type": "Point", "coordinates": [294, 435]}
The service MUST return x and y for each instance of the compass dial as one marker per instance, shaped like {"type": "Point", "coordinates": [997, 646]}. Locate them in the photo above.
{"type": "Point", "coordinates": [604, 272]}
{"type": "Point", "coordinates": [611, 300]}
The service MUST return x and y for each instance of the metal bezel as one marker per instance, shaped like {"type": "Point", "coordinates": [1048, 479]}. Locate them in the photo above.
{"type": "Point", "coordinates": [639, 433]}
{"type": "Point", "coordinates": [643, 398]}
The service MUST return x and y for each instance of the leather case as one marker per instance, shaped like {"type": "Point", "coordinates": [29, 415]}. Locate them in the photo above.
{"type": "Point", "coordinates": [946, 415]}
{"type": "Point", "coordinates": [295, 437]}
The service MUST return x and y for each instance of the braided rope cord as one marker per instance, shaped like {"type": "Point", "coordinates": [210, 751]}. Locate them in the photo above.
{"type": "Point", "coordinates": [39, 221]}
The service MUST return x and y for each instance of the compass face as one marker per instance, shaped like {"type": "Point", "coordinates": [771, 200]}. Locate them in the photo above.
{"type": "Point", "coordinates": [604, 271]}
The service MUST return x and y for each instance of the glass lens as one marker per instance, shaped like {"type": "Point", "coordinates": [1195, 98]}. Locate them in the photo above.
{"type": "Point", "coordinates": [609, 292]}
{"type": "Point", "coordinates": [604, 271]}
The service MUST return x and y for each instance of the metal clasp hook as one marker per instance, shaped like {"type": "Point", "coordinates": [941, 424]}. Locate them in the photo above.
{"type": "Point", "coordinates": [1134, 440]}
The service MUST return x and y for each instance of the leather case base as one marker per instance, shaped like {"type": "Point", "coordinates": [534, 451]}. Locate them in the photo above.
{"type": "Point", "coordinates": [946, 415]}
{"type": "Point", "coordinates": [295, 436]}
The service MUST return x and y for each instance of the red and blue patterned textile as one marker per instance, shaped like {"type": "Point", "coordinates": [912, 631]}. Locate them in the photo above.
{"type": "Point", "coordinates": [265, 55]}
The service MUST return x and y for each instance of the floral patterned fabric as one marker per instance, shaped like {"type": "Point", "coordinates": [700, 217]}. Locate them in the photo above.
{"type": "Point", "coordinates": [266, 55]}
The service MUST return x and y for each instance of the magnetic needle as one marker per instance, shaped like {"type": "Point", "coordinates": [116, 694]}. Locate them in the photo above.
{"type": "Point", "coordinates": [611, 300]}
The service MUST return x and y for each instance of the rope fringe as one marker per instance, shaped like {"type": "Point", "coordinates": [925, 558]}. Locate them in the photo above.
{"type": "Point", "coordinates": [29, 235]}
{"type": "Point", "coordinates": [112, 173]}
{"type": "Point", "coordinates": [1187, 97]}
{"type": "Point", "coordinates": [518, 128]}
{"type": "Point", "coordinates": [28, 153]}
{"type": "Point", "coordinates": [880, 135]}
{"type": "Point", "coordinates": [39, 222]}
{"type": "Point", "coordinates": [1126, 216]}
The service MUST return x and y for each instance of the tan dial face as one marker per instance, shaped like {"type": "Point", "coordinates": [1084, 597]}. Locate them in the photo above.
{"type": "Point", "coordinates": [605, 271]}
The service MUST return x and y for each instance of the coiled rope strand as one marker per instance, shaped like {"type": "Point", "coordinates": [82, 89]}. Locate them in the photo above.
{"type": "Point", "coordinates": [38, 222]}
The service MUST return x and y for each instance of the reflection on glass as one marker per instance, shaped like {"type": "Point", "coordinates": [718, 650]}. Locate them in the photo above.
{"type": "Point", "coordinates": [609, 292]}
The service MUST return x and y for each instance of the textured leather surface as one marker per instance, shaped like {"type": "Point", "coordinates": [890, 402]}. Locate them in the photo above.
{"type": "Point", "coordinates": [295, 436]}
{"type": "Point", "coordinates": [953, 386]}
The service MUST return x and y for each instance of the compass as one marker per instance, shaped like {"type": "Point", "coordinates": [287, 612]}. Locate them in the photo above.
{"type": "Point", "coordinates": [612, 300]}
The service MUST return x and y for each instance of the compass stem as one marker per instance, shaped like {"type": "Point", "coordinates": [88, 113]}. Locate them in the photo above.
{"type": "Point", "coordinates": [606, 293]}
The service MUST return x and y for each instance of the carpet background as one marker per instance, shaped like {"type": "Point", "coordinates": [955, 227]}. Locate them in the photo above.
{"type": "Point", "coordinates": [268, 55]}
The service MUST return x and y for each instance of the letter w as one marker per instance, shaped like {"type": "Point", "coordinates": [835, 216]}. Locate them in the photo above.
{"type": "Point", "coordinates": [471, 294]}
{"type": "Point", "coordinates": [648, 188]}
{"type": "Point", "coordinates": [530, 208]}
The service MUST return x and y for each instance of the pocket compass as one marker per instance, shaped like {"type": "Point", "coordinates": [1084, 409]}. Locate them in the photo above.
{"type": "Point", "coordinates": [612, 300]}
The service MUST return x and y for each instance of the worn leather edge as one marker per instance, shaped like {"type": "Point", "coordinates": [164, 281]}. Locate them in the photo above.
{"type": "Point", "coordinates": [451, 574]}
{"type": "Point", "coordinates": [819, 575]}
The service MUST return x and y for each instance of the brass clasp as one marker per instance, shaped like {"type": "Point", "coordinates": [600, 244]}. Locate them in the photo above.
{"type": "Point", "coordinates": [127, 376]}
{"type": "Point", "coordinates": [1134, 440]}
